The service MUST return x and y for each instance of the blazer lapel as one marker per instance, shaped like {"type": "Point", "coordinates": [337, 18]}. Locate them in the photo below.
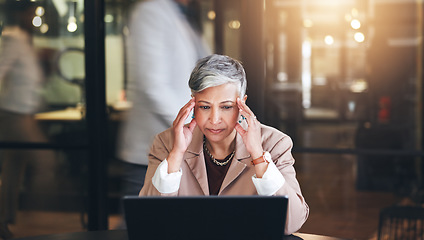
{"type": "Point", "coordinates": [196, 160]}
{"type": "Point", "coordinates": [236, 167]}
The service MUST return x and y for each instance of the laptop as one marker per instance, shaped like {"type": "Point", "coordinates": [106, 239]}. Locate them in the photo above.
{"type": "Point", "coordinates": [206, 217]}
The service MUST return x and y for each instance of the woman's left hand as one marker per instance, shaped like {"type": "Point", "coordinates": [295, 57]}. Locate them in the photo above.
{"type": "Point", "coordinates": [252, 137]}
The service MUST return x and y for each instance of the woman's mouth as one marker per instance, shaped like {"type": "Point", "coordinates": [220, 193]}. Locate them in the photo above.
{"type": "Point", "coordinates": [215, 131]}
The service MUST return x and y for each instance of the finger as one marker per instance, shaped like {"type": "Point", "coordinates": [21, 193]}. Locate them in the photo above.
{"type": "Point", "coordinates": [244, 108]}
{"type": "Point", "coordinates": [240, 129]}
{"type": "Point", "coordinates": [189, 104]}
{"type": "Point", "coordinates": [250, 119]}
{"type": "Point", "coordinates": [184, 113]}
{"type": "Point", "coordinates": [183, 109]}
{"type": "Point", "coordinates": [192, 125]}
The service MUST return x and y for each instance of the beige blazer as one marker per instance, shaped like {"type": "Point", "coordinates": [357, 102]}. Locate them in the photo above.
{"type": "Point", "coordinates": [238, 180]}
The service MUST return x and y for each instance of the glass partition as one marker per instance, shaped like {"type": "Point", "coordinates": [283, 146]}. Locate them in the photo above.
{"type": "Point", "coordinates": [43, 143]}
{"type": "Point", "coordinates": [346, 85]}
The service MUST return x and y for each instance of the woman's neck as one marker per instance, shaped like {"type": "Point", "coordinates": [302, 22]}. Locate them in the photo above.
{"type": "Point", "coordinates": [223, 148]}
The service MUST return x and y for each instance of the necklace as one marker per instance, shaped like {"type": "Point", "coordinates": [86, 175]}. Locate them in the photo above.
{"type": "Point", "coordinates": [213, 158]}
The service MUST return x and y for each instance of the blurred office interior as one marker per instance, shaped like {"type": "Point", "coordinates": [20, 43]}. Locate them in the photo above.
{"type": "Point", "coordinates": [343, 78]}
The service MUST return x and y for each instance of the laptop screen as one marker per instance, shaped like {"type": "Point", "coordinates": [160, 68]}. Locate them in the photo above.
{"type": "Point", "coordinates": [206, 217]}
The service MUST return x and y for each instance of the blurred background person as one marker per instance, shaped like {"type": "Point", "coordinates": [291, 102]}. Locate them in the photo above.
{"type": "Point", "coordinates": [21, 83]}
{"type": "Point", "coordinates": [164, 43]}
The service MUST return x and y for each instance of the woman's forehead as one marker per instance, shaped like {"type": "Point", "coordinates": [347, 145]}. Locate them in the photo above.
{"type": "Point", "coordinates": [220, 93]}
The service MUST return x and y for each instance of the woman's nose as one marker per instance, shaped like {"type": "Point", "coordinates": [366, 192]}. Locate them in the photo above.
{"type": "Point", "coordinates": [215, 117]}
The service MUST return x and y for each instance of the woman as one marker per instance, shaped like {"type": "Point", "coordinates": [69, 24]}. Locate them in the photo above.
{"type": "Point", "coordinates": [224, 150]}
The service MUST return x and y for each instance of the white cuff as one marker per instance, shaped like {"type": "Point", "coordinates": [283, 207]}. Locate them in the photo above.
{"type": "Point", "coordinates": [271, 181]}
{"type": "Point", "coordinates": [166, 182]}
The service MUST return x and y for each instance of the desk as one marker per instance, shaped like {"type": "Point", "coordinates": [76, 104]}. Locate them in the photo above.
{"type": "Point", "coordinates": [122, 235]}
{"type": "Point", "coordinates": [68, 114]}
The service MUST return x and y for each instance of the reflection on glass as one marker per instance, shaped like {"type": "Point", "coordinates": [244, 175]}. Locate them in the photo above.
{"type": "Point", "coordinates": [22, 79]}
{"type": "Point", "coordinates": [361, 90]}
{"type": "Point", "coordinates": [33, 100]}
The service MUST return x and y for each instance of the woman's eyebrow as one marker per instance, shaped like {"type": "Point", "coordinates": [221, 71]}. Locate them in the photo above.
{"type": "Point", "coordinates": [223, 102]}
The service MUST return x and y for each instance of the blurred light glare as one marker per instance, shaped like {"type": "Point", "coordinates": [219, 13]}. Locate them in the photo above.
{"type": "Point", "coordinates": [329, 40]}
{"type": "Point", "coordinates": [282, 77]}
{"type": "Point", "coordinates": [39, 11]}
{"type": "Point", "coordinates": [306, 49]}
{"type": "Point", "coordinates": [72, 27]}
{"type": "Point", "coordinates": [36, 21]}
{"type": "Point", "coordinates": [109, 18]}
{"type": "Point", "coordinates": [355, 12]}
{"type": "Point", "coordinates": [355, 24]}
{"type": "Point", "coordinates": [211, 15]}
{"type": "Point", "coordinates": [359, 85]}
{"type": "Point", "coordinates": [234, 24]}
{"type": "Point", "coordinates": [44, 28]}
{"type": "Point", "coordinates": [306, 73]}
{"type": "Point", "coordinates": [126, 31]}
{"type": "Point", "coordinates": [348, 17]}
{"type": "Point", "coordinates": [359, 37]}
{"type": "Point", "coordinates": [72, 19]}
{"type": "Point", "coordinates": [307, 23]}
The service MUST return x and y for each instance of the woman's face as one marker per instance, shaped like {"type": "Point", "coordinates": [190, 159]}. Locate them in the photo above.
{"type": "Point", "coordinates": [216, 112]}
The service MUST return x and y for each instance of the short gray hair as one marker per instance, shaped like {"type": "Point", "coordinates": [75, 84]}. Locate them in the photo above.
{"type": "Point", "coordinates": [215, 70]}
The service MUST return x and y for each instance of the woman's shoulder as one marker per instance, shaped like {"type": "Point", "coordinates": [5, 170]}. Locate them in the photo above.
{"type": "Point", "coordinates": [272, 134]}
{"type": "Point", "coordinates": [165, 135]}
{"type": "Point", "coordinates": [268, 130]}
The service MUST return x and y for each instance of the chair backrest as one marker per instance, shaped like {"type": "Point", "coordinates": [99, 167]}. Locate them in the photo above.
{"type": "Point", "coordinates": [401, 222]}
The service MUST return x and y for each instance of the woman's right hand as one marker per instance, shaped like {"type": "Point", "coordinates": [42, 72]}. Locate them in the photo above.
{"type": "Point", "coordinates": [182, 136]}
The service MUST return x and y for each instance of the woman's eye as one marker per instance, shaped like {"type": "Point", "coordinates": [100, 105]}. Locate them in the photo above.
{"type": "Point", "coordinates": [227, 107]}
{"type": "Point", "coordinates": [204, 107]}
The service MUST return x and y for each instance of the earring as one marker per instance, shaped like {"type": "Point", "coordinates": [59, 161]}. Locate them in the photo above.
{"type": "Point", "coordinates": [192, 116]}
{"type": "Point", "coordinates": [242, 118]}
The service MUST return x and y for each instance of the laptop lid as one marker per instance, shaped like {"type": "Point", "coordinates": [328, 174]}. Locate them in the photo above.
{"type": "Point", "coordinates": [206, 217]}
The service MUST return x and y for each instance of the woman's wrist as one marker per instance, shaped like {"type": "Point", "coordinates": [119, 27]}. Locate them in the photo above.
{"type": "Point", "coordinates": [260, 169]}
{"type": "Point", "coordinates": [174, 161]}
{"type": "Point", "coordinates": [257, 153]}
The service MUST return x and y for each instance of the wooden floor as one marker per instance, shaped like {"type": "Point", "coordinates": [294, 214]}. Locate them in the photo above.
{"type": "Point", "coordinates": [337, 208]}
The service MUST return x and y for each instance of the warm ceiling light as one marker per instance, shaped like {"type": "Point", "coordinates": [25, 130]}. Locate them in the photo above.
{"type": "Point", "coordinates": [307, 23]}
{"type": "Point", "coordinates": [39, 11]}
{"type": "Point", "coordinates": [355, 12]}
{"type": "Point", "coordinates": [37, 21]}
{"type": "Point", "coordinates": [329, 40]}
{"type": "Point", "coordinates": [355, 24]}
{"type": "Point", "coordinates": [211, 15]}
{"type": "Point", "coordinates": [44, 28]}
{"type": "Point", "coordinates": [234, 24]}
{"type": "Point", "coordinates": [359, 37]}
{"type": "Point", "coordinates": [109, 18]}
